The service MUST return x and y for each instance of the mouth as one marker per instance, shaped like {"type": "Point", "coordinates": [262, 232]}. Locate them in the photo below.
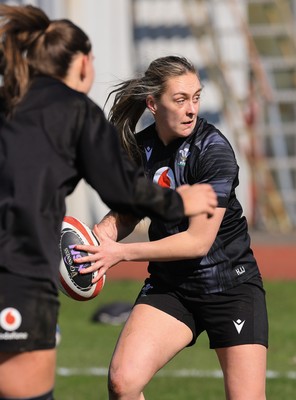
{"type": "Point", "coordinates": [188, 123]}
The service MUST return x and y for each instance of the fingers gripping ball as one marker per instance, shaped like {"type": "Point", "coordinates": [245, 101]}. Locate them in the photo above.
{"type": "Point", "coordinates": [72, 283]}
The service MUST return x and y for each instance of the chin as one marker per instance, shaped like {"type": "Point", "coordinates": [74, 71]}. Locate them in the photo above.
{"type": "Point", "coordinates": [187, 131]}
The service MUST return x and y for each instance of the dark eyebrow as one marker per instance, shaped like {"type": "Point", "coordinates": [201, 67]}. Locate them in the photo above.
{"type": "Point", "coordinates": [185, 94]}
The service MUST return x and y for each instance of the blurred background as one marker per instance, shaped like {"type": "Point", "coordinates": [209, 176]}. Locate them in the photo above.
{"type": "Point", "coordinates": [245, 52]}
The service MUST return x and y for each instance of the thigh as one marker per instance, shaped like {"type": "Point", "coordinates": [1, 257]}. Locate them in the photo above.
{"type": "Point", "coordinates": [27, 374]}
{"type": "Point", "coordinates": [244, 370]}
{"type": "Point", "coordinates": [149, 339]}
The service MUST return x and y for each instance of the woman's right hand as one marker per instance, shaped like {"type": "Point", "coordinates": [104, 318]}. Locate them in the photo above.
{"type": "Point", "coordinates": [102, 257]}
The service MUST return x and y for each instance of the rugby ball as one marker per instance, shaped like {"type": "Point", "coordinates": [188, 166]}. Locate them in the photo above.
{"type": "Point", "coordinates": [72, 283]}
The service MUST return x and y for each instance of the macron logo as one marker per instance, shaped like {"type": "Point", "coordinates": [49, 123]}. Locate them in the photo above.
{"type": "Point", "coordinates": [148, 151]}
{"type": "Point", "coordinates": [239, 325]}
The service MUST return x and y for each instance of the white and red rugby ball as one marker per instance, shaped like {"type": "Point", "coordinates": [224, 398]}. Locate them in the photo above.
{"type": "Point", "coordinates": [72, 283]}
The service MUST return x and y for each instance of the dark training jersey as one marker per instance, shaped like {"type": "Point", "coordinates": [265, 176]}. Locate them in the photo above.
{"type": "Point", "coordinates": [205, 156]}
{"type": "Point", "coordinates": [55, 137]}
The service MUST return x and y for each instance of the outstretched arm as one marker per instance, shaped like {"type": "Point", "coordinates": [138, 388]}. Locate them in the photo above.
{"type": "Point", "coordinates": [192, 243]}
{"type": "Point", "coordinates": [200, 197]}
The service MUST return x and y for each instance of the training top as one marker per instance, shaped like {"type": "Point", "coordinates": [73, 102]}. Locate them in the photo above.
{"type": "Point", "coordinates": [205, 156]}
{"type": "Point", "coordinates": [55, 137]}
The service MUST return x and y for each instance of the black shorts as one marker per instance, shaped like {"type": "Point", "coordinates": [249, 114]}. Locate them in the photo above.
{"type": "Point", "coordinates": [233, 317]}
{"type": "Point", "coordinates": [28, 313]}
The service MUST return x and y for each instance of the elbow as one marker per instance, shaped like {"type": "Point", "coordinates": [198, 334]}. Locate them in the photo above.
{"type": "Point", "coordinates": [200, 250]}
{"type": "Point", "coordinates": [199, 253]}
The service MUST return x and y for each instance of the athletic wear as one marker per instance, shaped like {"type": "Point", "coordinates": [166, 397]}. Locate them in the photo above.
{"type": "Point", "coordinates": [55, 137]}
{"type": "Point", "coordinates": [205, 156]}
{"type": "Point", "coordinates": [28, 313]}
{"type": "Point", "coordinates": [233, 317]}
{"type": "Point", "coordinates": [222, 292]}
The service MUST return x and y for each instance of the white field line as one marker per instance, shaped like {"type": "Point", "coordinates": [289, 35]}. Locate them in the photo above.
{"type": "Point", "coordinates": [181, 373]}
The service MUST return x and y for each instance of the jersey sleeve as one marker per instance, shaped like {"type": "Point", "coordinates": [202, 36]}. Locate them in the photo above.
{"type": "Point", "coordinates": [214, 163]}
{"type": "Point", "coordinates": [119, 182]}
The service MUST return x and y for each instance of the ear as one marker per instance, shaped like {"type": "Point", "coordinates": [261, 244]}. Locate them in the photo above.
{"type": "Point", "coordinates": [151, 103]}
{"type": "Point", "coordinates": [83, 67]}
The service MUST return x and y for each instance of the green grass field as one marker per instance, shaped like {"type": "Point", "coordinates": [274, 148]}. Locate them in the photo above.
{"type": "Point", "coordinates": [86, 348]}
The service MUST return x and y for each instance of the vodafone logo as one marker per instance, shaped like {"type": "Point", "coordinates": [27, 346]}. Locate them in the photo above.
{"type": "Point", "coordinates": [165, 177]}
{"type": "Point", "coordinates": [10, 319]}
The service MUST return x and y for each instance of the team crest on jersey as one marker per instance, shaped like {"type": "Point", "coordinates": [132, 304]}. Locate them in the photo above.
{"type": "Point", "coordinates": [183, 154]}
{"type": "Point", "coordinates": [165, 177]}
{"type": "Point", "coordinates": [146, 289]}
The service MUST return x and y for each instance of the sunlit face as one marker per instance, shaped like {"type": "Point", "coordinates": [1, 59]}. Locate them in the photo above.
{"type": "Point", "coordinates": [177, 109]}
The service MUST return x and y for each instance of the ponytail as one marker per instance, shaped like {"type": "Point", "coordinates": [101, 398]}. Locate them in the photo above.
{"type": "Point", "coordinates": [128, 106]}
{"type": "Point", "coordinates": [32, 44]}
{"type": "Point", "coordinates": [19, 28]}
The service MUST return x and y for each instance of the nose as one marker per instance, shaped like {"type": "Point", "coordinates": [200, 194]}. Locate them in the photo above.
{"type": "Point", "coordinates": [191, 108]}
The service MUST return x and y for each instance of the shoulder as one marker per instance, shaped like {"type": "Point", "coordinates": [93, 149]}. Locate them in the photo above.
{"type": "Point", "coordinates": [54, 100]}
{"type": "Point", "coordinates": [211, 153]}
{"type": "Point", "coordinates": [206, 134]}
{"type": "Point", "coordinates": [208, 143]}
{"type": "Point", "coordinates": [146, 135]}
{"type": "Point", "coordinates": [47, 91]}
{"type": "Point", "coordinates": [64, 114]}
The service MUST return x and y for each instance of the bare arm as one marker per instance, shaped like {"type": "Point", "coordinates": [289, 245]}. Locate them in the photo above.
{"type": "Point", "coordinates": [115, 226]}
{"type": "Point", "coordinates": [194, 242]}
{"type": "Point", "coordinates": [200, 197]}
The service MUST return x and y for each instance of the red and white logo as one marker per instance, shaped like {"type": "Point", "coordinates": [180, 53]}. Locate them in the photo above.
{"type": "Point", "coordinates": [10, 319]}
{"type": "Point", "coordinates": [165, 177]}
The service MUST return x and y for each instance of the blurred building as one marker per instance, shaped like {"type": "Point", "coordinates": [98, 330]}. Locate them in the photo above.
{"type": "Point", "coordinates": [245, 51]}
{"type": "Point", "coordinates": [246, 54]}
